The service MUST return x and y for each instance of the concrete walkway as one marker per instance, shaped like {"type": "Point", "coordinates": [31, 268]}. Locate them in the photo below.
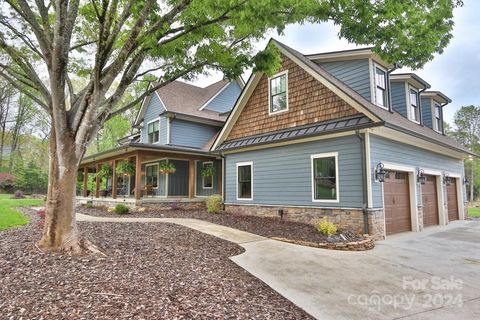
{"type": "Point", "coordinates": [434, 274]}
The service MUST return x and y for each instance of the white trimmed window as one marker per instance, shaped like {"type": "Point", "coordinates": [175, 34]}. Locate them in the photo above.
{"type": "Point", "coordinates": [153, 130]}
{"type": "Point", "coordinates": [381, 95]}
{"type": "Point", "coordinates": [438, 117]}
{"type": "Point", "coordinates": [278, 93]}
{"type": "Point", "coordinates": [245, 181]}
{"type": "Point", "coordinates": [151, 175]}
{"type": "Point", "coordinates": [207, 181]}
{"type": "Point", "coordinates": [414, 111]}
{"type": "Point", "coordinates": [325, 177]}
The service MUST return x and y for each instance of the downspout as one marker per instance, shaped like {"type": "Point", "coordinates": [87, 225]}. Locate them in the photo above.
{"type": "Point", "coordinates": [420, 104]}
{"type": "Point", "coordinates": [395, 67]}
{"type": "Point", "coordinates": [364, 182]}
{"type": "Point", "coordinates": [441, 116]}
{"type": "Point", "coordinates": [223, 177]}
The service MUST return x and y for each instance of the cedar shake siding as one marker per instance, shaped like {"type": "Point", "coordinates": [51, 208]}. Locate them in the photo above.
{"type": "Point", "coordinates": [308, 102]}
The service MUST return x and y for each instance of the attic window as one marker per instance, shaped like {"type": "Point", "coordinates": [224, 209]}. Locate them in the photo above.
{"type": "Point", "coordinates": [438, 117]}
{"type": "Point", "coordinates": [278, 96]}
{"type": "Point", "coordinates": [153, 131]}
{"type": "Point", "coordinates": [380, 87]}
{"type": "Point", "coordinates": [414, 109]}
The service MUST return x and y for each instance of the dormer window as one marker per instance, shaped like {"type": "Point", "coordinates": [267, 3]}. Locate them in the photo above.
{"type": "Point", "coordinates": [438, 117]}
{"type": "Point", "coordinates": [414, 107]}
{"type": "Point", "coordinates": [381, 87]}
{"type": "Point", "coordinates": [277, 91]}
{"type": "Point", "coordinates": [153, 130]}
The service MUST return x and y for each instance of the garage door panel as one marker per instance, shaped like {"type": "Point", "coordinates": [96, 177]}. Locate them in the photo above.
{"type": "Point", "coordinates": [452, 201]}
{"type": "Point", "coordinates": [430, 202]}
{"type": "Point", "coordinates": [397, 202]}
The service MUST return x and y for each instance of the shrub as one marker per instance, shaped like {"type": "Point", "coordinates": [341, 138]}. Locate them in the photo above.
{"type": "Point", "coordinates": [41, 215]}
{"type": "Point", "coordinates": [18, 195]}
{"type": "Point", "coordinates": [214, 203]}
{"type": "Point", "coordinates": [326, 227]}
{"type": "Point", "coordinates": [121, 209]}
{"type": "Point", "coordinates": [6, 181]}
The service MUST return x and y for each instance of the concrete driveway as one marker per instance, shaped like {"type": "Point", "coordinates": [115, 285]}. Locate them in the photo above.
{"type": "Point", "coordinates": [434, 274]}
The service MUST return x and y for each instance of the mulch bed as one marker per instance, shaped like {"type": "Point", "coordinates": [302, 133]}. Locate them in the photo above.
{"type": "Point", "coordinates": [271, 227]}
{"type": "Point", "coordinates": [152, 271]}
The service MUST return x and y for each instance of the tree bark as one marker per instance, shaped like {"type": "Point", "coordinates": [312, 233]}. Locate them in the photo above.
{"type": "Point", "coordinates": [472, 182]}
{"type": "Point", "coordinates": [60, 231]}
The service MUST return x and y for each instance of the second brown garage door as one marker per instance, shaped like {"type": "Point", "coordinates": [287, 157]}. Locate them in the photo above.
{"type": "Point", "coordinates": [429, 202]}
{"type": "Point", "coordinates": [397, 202]}
{"type": "Point", "coordinates": [452, 201]}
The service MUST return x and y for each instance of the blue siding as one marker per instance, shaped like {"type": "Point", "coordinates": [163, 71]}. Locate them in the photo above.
{"type": "Point", "coordinates": [226, 99]}
{"type": "Point", "coordinates": [155, 107]}
{"type": "Point", "coordinates": [427, 112]}
{"type": "Point", "coordinates": [178, 181]}
{"type": "Point", "coordinates": [354, 73]}
{"type": "Point", "coordinates": [283, 175]}
{"type": "Point", "coordinates": [191, 134]}
{"type": "Point", "coordinates": [161, 190]}
{"type": "Point", "coordinates": [199, 188]}
{"type": "Point", "coordinates": [384, 150]}
{"type": "Point", "coordinates": [399, 98]}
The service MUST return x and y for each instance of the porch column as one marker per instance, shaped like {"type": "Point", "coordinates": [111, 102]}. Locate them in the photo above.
{"type": "Point", "coordinates": [85, 182]}
{"type": "Point", "coordinates": [138, 176]}
{"type": "Point", "coordinates": [191, 178]}
{"type": "Point", "coordinates": [114, 179]}
{"type": "Point", "coordinates": [97, 181]}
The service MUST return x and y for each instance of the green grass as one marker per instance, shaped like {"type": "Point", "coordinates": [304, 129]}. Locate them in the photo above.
{"type": "Point", "coordinates": [9, 217]}
{"type": "Point", "coordinates": [474, 212]}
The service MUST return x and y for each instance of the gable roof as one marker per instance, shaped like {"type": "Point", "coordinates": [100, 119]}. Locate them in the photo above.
{"type": "Point", "coordinates": [179, 97]}
{"type": "Point", "coordinates": [412, 78]}
{"type": "Point", "coordinates": [376, 114]}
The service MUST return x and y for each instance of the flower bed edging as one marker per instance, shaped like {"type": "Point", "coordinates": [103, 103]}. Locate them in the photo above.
{"type": "Point", "coordinates": [363, 245]}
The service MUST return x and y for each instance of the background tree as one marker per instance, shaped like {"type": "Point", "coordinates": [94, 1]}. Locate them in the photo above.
{"type": "Point", "coordinates": [113, 44]}
{"type": "Point", "coordinates": [467, 131]}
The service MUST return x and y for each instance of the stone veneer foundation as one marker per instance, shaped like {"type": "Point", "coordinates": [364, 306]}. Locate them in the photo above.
{"type": "Point", "coordinates": [347, 219]}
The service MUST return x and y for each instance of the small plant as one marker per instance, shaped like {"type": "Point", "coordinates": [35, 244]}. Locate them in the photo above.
{"type": "Point", "coordinates": [326, 227]}
{"type": "Point", "coordinates": [41, 215]}
{"type": "Point", "coordinates": [125, 167]}
{"type": "Point", "coordinates": [167, 167]}
{"type": "Point", "coordinates": [121, 209]}
{"type": "Point", "coordinates": [208, 171]}
{"type": "Point", "coordinates": [18, 195]}
{"type": "Point", "coordinates": [105, 171]}
{"type": "Point", "coordinates": [7, 181]}
{"type": "Point", "coordinates": [214, 203]}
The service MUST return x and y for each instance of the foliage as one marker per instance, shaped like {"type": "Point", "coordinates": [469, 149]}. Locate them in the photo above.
{"type": "Point", "coordinates": [326, 227]}
{"type": "Point", "coordinates": [208, 171]}
{"type": "Point", "coordinates": [30, 178]}
{"type": "Point", "coordinates": [6, 181]}
{"type": "Point", "coordinates": [9, 217]}
{"type": "Point", "coordinates": [121, 209]}
{"type": "Point", "coordinates": [18, 195]}
{"type": "Point", "coordinates": [105, 171]}
{"type": "Point", "coordinates": [214, 203]}
{"type": "Point", "coordinates": [167, 167]}
{"type": "Point", "coordinates": [474, 212]}
{"type": "Point", "coordinates": [41, 215]}
{"type": "Point", "coordinates": [125, 167]}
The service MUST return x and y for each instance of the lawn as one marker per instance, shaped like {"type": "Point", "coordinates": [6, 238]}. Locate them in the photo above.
{"type": "Point", "coordinates": [9, 217]}
{"type": "Point", "coordinates": [474, 212]}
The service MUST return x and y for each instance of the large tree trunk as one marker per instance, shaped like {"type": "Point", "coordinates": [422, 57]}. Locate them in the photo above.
{"type": "Point", "coordinates": [60, 231]}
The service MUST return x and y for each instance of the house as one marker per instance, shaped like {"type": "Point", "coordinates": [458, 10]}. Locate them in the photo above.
{"type": "Point", "coordinates": [176, 127]}
{"type": "Point", "coordinates": [339, 135]}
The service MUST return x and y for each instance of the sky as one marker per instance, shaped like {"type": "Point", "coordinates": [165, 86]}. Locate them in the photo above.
{"type": "Point", "coordinates": [456, 72]}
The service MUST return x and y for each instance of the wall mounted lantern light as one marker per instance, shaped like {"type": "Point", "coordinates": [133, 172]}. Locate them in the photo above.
{"type": "Point", "coordinates": [466, 180]}
{"type": "Point", "coordinates": [380, 172]}
{"type": "Point", "coordinates": [421, 178]}
{"type": "Point", "coordinates": [446, 179]}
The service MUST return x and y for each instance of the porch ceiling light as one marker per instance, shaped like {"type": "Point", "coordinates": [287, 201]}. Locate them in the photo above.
{"type": "Point", "coordinates": [421, 178]}
{"type": "Point", "coordinates": [380, 172]}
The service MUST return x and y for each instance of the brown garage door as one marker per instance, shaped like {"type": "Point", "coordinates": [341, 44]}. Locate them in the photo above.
{"type": "Point", "coordinates": [429, 202]}
{"type": "Point", "coordinates": [452, 201]}
{"type": "Point", "coordinates": [397, 202]}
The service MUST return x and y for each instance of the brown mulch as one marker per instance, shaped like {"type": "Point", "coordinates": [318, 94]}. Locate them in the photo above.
{"type": "Point", "coordinates": [271, 227]}
{"type": "Point", "coordinates": [152, 271]}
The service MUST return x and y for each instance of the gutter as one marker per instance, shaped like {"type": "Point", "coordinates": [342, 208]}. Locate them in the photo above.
{"type": "Point", "coordinates": [364, 182]}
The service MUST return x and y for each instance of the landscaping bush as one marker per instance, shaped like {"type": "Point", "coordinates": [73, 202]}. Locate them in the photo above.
{"type": "Point", "coordinates": [326, 227]}
{"type": "Point", "coordinates": [214, 203]}
{"type": "Point", "coordinates": [31, 179]}
{"type": "Point", "coordinates": [41, 215]}
{"type": "Point", "coordinates": [121, 209]}
{"type": "Point", "coordinates": [18, 195]}
{"type": "Point", "coordinates": [6, 182]}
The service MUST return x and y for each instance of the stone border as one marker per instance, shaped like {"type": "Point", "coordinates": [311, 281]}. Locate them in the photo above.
{"type": "Point", "coordinates": [363, 245]}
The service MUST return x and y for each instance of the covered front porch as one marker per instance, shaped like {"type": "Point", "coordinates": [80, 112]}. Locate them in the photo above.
{"type": "Point", "coordinates": [150, 174]}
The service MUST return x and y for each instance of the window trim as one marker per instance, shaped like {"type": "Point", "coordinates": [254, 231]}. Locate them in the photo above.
{"type": "Point", "coordinates": [159, 129]}
{"type": "Point", "coordinates": [434, 118]}
{"type": "Point", "coordinates": [270, 113]}
{"type": "Point", "coordinates": [409, 103]}
{"type": "Point", "coordinates": [337, 180]}
{"type": "Point", "coordinates": [158, 173]}
{"type": "Point", "coordinates": [374, 85]}
{"type": "Point", "coordinates": [203, 178]}
{"type": "Point", "coordinates": [241, 164]}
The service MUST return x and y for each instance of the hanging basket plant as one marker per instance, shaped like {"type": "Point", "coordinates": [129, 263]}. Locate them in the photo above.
{"type": "Point", "coordinates": [208, 171]}
{"type": "Point", "coordinates": [105, 171]}
{"type": "Point", "coordinates": [125, 167]}
{"type": "Point", "coordinates": [167, 167]}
